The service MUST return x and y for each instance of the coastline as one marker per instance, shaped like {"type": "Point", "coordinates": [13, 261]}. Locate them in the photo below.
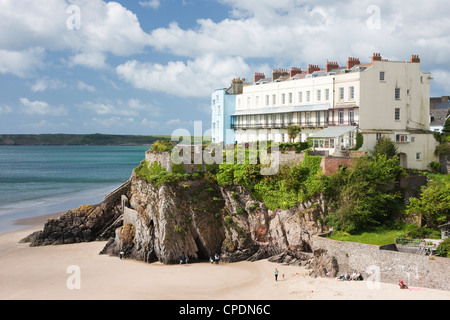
{"type": "Point", "coordinates": [43, 273]}
{"type": "Point", "coordinates": [35, 222]}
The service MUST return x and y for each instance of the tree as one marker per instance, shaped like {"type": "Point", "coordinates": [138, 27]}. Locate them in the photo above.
{"type": "Point", "coordinates": [385, 147]}
{"type": "Point", "coordinates": [365, 195]}
{"type": "Point", "coordinates": [433, 205]}
{"type": "Point", "coordinates": [293, 132]}
{"type": "Point", "coordinates": [446, 128]}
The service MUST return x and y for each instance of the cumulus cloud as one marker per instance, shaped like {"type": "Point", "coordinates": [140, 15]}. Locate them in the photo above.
{"type": "Point", "coordinates": [154, 4]}
{"type": "Point", "coordinates": [130, 108]}
{"type": "Point", "coordinates": [301, 32]}
{"type": "Point", "coordinates": [441, 79]}
{"type": "Point", "coordinates": [194, 78]}
{"type": "Point", "coordinates": [5, 109]}
{"type": "Point", "coordinates": [47, 83]}
{"type": "Point", "coordinates": [104, 28]}
{"type": "Point", "coordinates": [41, 108]}
{"type": "Point", "coordinates": [82, 86]}
{"type": "Point", "coordinates": [21, 63]}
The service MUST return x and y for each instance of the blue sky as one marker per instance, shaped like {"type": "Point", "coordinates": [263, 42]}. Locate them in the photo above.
{"type": "Point", "coordinates": [149, 67]}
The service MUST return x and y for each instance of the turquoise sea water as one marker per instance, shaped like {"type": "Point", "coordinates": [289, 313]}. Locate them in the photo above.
{"type": "Point", "coordinates": [39, 180]}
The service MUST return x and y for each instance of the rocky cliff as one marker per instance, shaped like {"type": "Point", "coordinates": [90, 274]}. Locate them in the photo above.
{"type": "Point", "coordinates": [194, 219]}
{"type": "Point", "coordinates": [197, 219]}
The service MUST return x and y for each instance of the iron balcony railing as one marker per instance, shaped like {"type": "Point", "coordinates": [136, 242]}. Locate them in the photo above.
{"type": "Point", "coordinates": [311, 124]}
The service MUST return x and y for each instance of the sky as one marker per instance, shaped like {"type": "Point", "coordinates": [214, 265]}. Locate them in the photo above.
{"type": "Point", "coordinates": [150, 67]}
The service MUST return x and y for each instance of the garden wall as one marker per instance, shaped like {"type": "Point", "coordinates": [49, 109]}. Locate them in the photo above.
{"type": "Point", "coordinates": [388, 266]}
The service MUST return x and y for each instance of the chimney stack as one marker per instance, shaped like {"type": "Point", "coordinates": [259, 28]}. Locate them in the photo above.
{"type": "Point", "coordinates": [351, 62]}
{"type": "Point", "coordinates": [259, 76]}
{"type": "Point", "coordinates": [376, 57]}
{"type": "Point", "coordinates": [237, 86]}
{"type": "Point", "coordinates": [279, 73]}
{"type": "Point", "coordinates": [295, 71]}
{"type": "Point", "coordinates": [312, 68]}
{"type": "Point", "coordinates": [331, 65]}
{"type": "Point", "coordinates": [415, 58]}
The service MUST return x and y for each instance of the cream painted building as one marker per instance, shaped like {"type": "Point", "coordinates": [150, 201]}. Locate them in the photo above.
{"type": "Point", "coordinates": [331, 105]}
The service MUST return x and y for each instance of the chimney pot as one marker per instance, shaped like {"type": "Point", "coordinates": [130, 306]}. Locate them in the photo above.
{"type": "Point", "coordinates": [376, 57]}
{"type": "Point", "coordinates": [351, 62]}
{"type": "Point", "coordinates": [295, 71]}
{"type": "Point", "coordinates": [415, 58]}
{"type": "Point", "coordinates": [258, 76]}
{"type": "Point", "coordinates": [312, 68]}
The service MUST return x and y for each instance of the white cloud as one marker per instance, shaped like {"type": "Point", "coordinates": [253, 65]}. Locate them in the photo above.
{"type": "Point", "coordinates": [105, 28]}
{"type": "Point", "coordinates": [46, 83]}
{"type": "Point", "coordinates": [47, 125]}
{"type": "Point", "coordinates": [82, 86]}
{"type": "Point", "coordinates": [5, 109]}
{"type": "Point", "coordinates": [130, 108]}
{"type": "Point", "coordinates": [41, 108]}
{"type": "Point", "coordinates": [441, 78]}
{"type": "Point", "coordinates": [194, 78]}
{"type": "Point", "coordinates": [300, 32]}
{"type": "Point", "coordinates": [149, 123]}
{"type": "Point", "coordinates": [21, 63]}
{"type": "Point", "coordinates": [94, 60]}
{"type": "Point", "coordinates": [154, 4]}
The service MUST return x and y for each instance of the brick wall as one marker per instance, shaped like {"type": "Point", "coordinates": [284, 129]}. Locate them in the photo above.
{"type": "Point", "coordinates": [331, 165]}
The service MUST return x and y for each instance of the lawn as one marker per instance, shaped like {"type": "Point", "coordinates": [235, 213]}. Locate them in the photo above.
{"type": "Point", "coordinates": [377, 236]}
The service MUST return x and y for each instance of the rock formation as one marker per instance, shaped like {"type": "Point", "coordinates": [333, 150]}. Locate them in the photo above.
{"type": "Point", "coordinates": [83, 224]}
{"type": "Point", "coordinates": [196, 219]}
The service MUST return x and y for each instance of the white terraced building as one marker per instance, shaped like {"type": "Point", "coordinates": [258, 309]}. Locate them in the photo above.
{"type": "Point", "coordinates": [380, 98]}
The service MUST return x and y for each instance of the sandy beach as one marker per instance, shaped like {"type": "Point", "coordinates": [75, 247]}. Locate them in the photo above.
{"type": "Point", "coordinates": [78, 272]}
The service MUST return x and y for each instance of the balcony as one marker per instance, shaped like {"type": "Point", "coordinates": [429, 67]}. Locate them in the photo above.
{"type": "Point", "coordinates": [284, 125]}
{"type": "Point", "coordinates": [343, 123]}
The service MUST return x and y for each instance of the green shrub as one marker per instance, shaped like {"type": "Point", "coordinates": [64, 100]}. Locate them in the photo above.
{"type": "Point", "coordinates": [240, 210]}
{"type": "Point", "coordinates": [435, 166]}
{"type": "Point", "coordinates": [444, 248]}
{"type": "Point", "coordinates": [161, 146]}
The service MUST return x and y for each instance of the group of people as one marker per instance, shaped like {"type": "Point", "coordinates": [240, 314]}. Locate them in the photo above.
{"type": "Point", "coordinates": [216, 259]}
{"type": "Point", "coordinates": [354, 276]}
{"type": "Point", "coordinates": [185, 260]}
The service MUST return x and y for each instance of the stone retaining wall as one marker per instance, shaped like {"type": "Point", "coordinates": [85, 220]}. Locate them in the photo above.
{"type": "Point", "coordinates": [388, 266]}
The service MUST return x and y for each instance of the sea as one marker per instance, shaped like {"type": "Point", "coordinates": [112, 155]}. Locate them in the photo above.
{"type": "Point", "coordinates": [41, 180]}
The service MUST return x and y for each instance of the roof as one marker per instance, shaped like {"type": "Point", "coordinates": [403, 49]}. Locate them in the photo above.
{"type": "Point", "coordinates": [312, 107]}
{"type": "Point", "coordinates": [438, 116]}
{"type": "Point", "coordinates": [333, 132]}
{"type": "Point", "coordinates": [442, 105]}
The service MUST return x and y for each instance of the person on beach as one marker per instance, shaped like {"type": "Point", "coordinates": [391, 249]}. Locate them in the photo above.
{"type": "Point", "coordinates": [276, 274]}
{"type": "Point", "coordinates": [216, 258]}
{"type": "Point", "coordinates": [181, 259]}
{"type": "Point", "coordinates": [121, 254]}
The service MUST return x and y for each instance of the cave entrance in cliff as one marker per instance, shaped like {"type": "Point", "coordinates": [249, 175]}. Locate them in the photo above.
{"type": "Point", "coordinates": [202, 253]}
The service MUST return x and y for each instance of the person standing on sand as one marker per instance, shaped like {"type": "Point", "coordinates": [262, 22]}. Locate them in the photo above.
{"type": "Point", "coordinates": [276, 274]}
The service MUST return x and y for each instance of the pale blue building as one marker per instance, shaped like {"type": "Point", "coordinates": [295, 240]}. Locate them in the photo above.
{"type": "Point", "coordinates": [223, 105]}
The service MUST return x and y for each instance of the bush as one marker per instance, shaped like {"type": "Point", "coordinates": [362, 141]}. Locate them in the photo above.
{"type": "Point", "coordinates": [385, 147]}
{"type": "Point", "coordinates": [161, 146]}
{"type": "Point", "coordinates": [444, 248]}
{"type": "Point", "coordinates": [435, 166]}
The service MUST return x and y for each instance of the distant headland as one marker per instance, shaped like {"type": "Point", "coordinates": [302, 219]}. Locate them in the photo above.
{"type": "Point", "coordinates": [96, 139]}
